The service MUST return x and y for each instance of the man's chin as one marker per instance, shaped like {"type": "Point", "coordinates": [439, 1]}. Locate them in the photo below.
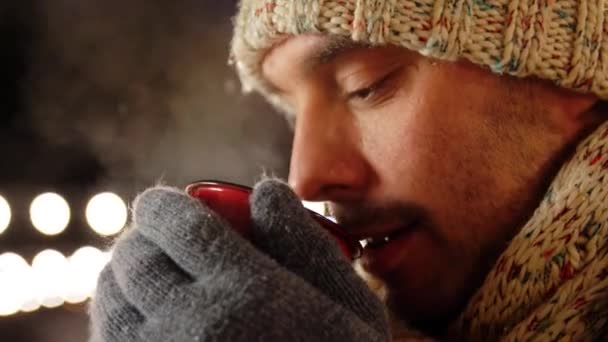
{"type": "Point", "coordinates": [414, 307]}
{"type": "Point", "coordinates": [429, 315]}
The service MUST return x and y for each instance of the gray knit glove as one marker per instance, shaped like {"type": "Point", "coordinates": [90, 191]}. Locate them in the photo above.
{"type": "Point", "coordinates": [182, 274]}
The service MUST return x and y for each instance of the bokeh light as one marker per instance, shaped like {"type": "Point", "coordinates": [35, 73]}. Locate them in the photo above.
{"type": "Point", "coordinates": [84, 268]}
{"type": "Point", "coordinates": [5, 214]}
{"type": "Point", "coordinates": [50, 271]}
{"type": "Point", "coordinates": [14, 272]}
{"type": "Point", "coordinates": [106, 213]}
{"type": "Point", "coordinates": [50, 213]}
{"type": "Point", "coordinates": [29, 288]}
{"type": "Point", "coordinates": [51, 281]}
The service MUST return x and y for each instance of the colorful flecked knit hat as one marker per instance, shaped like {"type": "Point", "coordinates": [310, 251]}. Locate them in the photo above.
{"type": "Point", "coordinates": [565, 41]}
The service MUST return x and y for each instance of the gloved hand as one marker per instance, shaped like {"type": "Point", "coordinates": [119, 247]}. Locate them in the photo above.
{"type": "Point", "coordinates": [182, 274]}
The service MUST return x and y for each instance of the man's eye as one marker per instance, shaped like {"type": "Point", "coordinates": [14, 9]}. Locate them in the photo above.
{"type": "Point", "coordinates": [373, 91]}
{"type": "Point", "coordinates": [363, 94]}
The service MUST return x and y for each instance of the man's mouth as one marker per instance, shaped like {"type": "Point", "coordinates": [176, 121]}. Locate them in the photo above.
{"type": "Point", "coordinates": [380, 241]}
{"type": "Point", "coordinates": [384, 249]}
{"type": "Point", "coordinates": [376, 235]}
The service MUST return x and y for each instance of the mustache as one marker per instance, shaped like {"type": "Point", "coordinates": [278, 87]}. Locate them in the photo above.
{"type": "Point", "coordinates": [357, 216]}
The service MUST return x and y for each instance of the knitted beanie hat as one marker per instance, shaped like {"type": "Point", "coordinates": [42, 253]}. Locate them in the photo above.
{"type": "Point", "coordinates": [565, 41]}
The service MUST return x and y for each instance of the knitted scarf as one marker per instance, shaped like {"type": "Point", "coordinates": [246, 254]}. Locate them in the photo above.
{"type": "Point", "coordinates": [551, 283]}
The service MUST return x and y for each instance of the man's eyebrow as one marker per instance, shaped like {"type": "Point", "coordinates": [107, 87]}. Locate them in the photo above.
{"type": "Point", "coordinates": [329, 51]}
{"type": "Point", "coordinates": [323, 53]}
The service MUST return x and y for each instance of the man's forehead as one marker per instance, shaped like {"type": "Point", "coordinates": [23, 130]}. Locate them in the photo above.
{"type": "Point", "coordinates": [306, 52]}
{"type": "Point", "coordinates": [333, 47]}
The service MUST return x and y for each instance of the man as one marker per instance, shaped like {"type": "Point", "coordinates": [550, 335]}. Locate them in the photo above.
{"type": "Point", "coordinates": [466, 141]}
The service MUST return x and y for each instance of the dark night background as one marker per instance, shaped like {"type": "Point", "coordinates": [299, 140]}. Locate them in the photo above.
{"type": "Point", "coordinates": [116, 95]}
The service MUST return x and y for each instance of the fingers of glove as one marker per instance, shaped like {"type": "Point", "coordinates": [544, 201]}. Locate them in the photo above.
{"type": "Point", "coordinates": [191, 234]}
{"type": "Point", "coordinates": [145, 274]}
{"type": "Point", "coordinates": [271, 305]}
{"type": "Point", "coordinates": [113, 318]}
{"type": "Point", "coordinates": [285, 230]}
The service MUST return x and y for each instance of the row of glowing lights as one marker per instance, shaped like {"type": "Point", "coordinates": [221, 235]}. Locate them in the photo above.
{"type": "Point", "coordinates": [50, 214]}
{"type": "Point", "coordinates": [50, 281]}
{"type": "Point", "coordinates": [53, 279]}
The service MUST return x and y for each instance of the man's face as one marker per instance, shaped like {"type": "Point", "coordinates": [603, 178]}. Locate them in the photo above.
{"type": "Point", "coordinates": [445, 158]}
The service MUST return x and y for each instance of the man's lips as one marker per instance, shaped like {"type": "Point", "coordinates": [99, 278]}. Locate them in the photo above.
{"type": "Point", "coordinates": [376, 234]}
{"type": "Point", "coordinates": [385, 246]}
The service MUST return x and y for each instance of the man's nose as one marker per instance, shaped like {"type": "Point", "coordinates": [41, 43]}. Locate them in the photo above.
{"type": "Point", "coordinates": [326, 161]}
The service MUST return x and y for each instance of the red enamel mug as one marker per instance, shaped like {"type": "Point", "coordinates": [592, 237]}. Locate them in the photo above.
{"type": "Point", "coordinates": [231, 201]}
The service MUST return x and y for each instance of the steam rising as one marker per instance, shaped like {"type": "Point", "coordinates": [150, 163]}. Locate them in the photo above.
{"type": "Point", "coordinates": [145, 85]}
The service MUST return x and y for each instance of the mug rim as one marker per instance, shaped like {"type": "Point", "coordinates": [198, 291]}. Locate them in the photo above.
{"type": "Point", "coordinates": [333, 226]}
